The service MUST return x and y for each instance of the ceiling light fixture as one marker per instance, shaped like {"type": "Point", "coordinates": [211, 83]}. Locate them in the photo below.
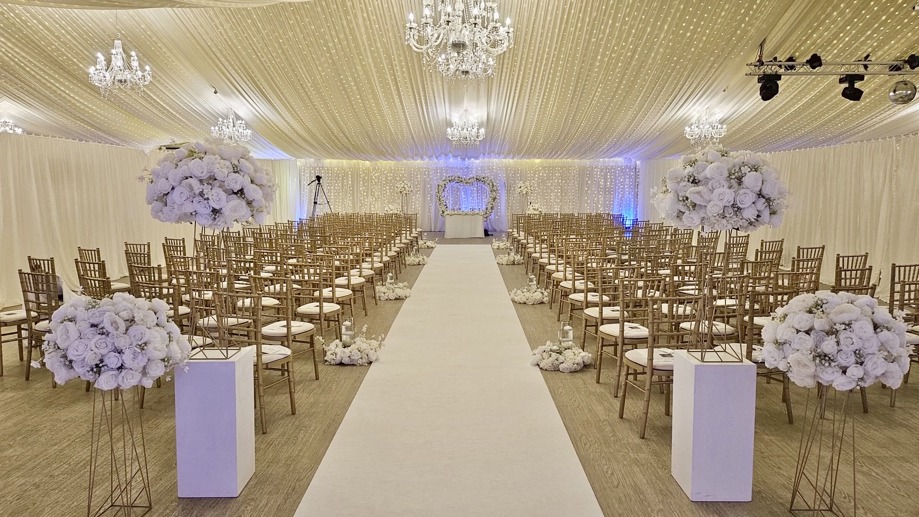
{"type": "Point", "coordinates": [769, 86]}
{"type": "Point", "coordinates": [119, 73]}
{"type": "Point", "coordinates": [466, 132]}
{"type": "Point", "coordinates": [705, 130]}
{"type": "Point", "coordinates": [8, 127]}
{"type": "Point", "coordinates": [231, 129]}
{"type": "Point", "coordinates": [902, 92]}
{"type": "Point", "coordinates": [851, 92]}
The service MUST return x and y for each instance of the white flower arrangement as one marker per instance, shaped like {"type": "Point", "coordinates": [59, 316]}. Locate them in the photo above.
{"type": "Point", "coordinates": [565, 358]}
{"type": "Point", "coordinates": [403, 188]}
{"type": "Point", "coordinates": [715, 189]}
{"type": "Point", "coordinates": [837, 339]}
{"type": "Point", "coordinates": [213, 184]}
{"type": "Point", "coordinates": [530, 296]}
{"type": "Point", "coordinates": [534, 208]}
{"type": "Point", "coordinates": [502, 244]}
{"type": "Point", "coordinates": [416, 260]}
{"type": "Point", "coordinates": [392, 208]}
{"type": "Point", "coordinates": [485, 180]}
{"type": "Point", "coordinates": [524, 188]}
{"type": "Point", "coordinates": [361, 351]}
{"type": "Point", "coordinates": [425, 244]}
{"type": "Point", "coordinates": [116, 343]}
{"type": "Point", "coordinates": [509, 259]}
{"type": "Point", "coordinates": [393, 291]}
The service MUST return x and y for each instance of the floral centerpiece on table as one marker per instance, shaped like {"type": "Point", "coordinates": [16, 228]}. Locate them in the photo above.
{"type": "Point", "coordinates": [715, 189]}
{"type": "Point", "coordinates": [403, 188]}
{"type": "Point", "coordinates": [534, 208]}
{"type": "Point", "coordinates": [524, 188]}
{"type": "Point", "coordinates": [215, 185]}
{"type": "Point", "coordinates": [837, 339]}
{"type": "Point", "coordinates": [509, 259]}
{"type": "Point", "coordinates": [562, 357]}
{"type": "Point", "coordinates": [359, 351]}
{"type": "Point", "coordinates": [118, 342]}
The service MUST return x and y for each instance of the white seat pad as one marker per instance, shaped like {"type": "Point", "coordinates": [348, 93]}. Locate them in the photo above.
{"type": "Point", "coordinates": [198, 341]}
{"type": "Point", "coordinates": [759, 321]}
{"type": "Point", "coordinates": [119, 286]}
{"type": "Point", "coordinates": [609, 313]}
{"type": "Point", "coordinates": [339, 292]}
{"type": "Point", "coordinates": [561, 275]}
{"type": "Point", "coordinates": [279, 328]}
{"type": "Point", "coordinates": [272, 353]}
{"type": "Point", "coordinates": [313, 308]}
{"type": "Point", "coordinates": [45, 326]}
{"type": "Point", "coordinates": [568, 284]}
{"type": "Point", "coordinates": [912, 339]}
{"type": "Point", "coordinates": [211, 322]}
{"type": "Point", "coordinates": [267, 301]}
{"type": "Point", "coordinates": [183, 310]}
{"type": "Point", "coordinates": [717, 327]}
{"type": "Point", "coordinates": [356, 281]}
{"type": "Point", "coordinates": [361, 272]}
{"type": "Point", "coordinates": [663, 357]}
{"type": "Point", "coordinates": [8, 317]}
{"type": "Point", "coordinates": [631, 331]}
{"type": "Point", "coordinates": [591, 297]}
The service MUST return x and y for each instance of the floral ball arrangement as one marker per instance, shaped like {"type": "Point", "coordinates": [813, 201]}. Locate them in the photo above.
{"type": "Point", "coordinates": [837, 339]}
{"type": "Point", "coordinates": [524, 188]}
{"type": "Point", "coordinates": [556, 357]}
{"type": "Point", "coordinates": [715, 189]}
{"type": "Point", "coordinates": [212, 184]}
{"type": "Point", "coordinates": [118, 342]}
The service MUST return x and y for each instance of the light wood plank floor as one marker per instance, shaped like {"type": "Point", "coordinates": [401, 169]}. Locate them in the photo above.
{"type": "Point", "coordinates": [44, 436]}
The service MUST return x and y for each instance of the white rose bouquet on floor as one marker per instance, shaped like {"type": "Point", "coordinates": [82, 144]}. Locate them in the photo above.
{"type": "Point", "coordinates": [425, 244]}
{"type": "Point", "coordinates": [509, 259]}
{"type": "Point", "coordinates": [361, 351]}
{"type": "Point", "coordinates": [501, 244]}
{"type": "Point", "coordinates": [837, 339]}
{"type": "Point", "coordinates": [530, 296]}
{"type": "Point", "coordinates": [212, 184]}
{"type": "Point", "coordinates": [565, 358]}
{"type": "Point", "coordinates": [719, 190]}
{"type": "Point", "coordinates": [394, 291]}
{"type": "Point", "coordinates": [118, 342]}
{"type": "Point", "coordinates": [415, 259]}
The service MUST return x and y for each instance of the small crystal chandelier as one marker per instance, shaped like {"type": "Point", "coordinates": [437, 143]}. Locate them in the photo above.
{"type": "Point", "coordinates": [464, 43]}
{"type": "Point", "coordinates": [117, 74]}
{"type": "Point", "coordinates": [705, 131]}
{"type": "Point", "coordinates": [231, 130]}
{"type": "Point", "coordinates": [466, 131]}
{"type": "Point", "coordinates": [8, 127]}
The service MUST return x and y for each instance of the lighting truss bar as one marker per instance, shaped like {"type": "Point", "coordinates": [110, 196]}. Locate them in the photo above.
{"type": "Point", "coordinates": [829, 68]}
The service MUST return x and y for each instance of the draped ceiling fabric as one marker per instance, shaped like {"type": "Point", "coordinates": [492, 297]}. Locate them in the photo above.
{"type": "Point", "coordinates": [332, 79]}
{"type": "Point", "coordinates": [141, 4]}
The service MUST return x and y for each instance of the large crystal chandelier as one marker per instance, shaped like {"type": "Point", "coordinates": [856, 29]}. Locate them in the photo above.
{"type": "Point", "coordinates": [119, 73]}
{"type": "Point", "coordinates": [465, 40]}
{"type": "Point", "coordinates": [705, 131]}
{"type": "Point", "coordinates": [231, 129]}
{"type": "Point", "coordinates": [466, 132]}
{"type": "Point", "coordinates": [8, 127]}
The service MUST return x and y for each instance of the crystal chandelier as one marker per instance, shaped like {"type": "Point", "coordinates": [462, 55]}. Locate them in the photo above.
{"type": "Point", "coordinates": [466, 131]}
{"type": "Point", "coordinates": [119, 74]}
{"type": "Point", "coordinates": [231, 130]}
{"type": "Point", "coordinates": [464, 42]}
{"type": "Point", "coordinates": [705, 131]}
{"type": "Point", "coordinates": [8, 127]}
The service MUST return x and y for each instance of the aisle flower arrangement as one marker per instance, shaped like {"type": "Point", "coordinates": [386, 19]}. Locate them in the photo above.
{"type": "Point", "coordinates": [564, 357]}
{"type": "Point", "coordinates": [500, 244]}
{"type": "Point", "coordinates": [509, 259]}
{"type": "Point", "coordinates": [524, 188]}
{"type": "Point", "coordinates": [116, 343]}
{"type": "Point", "coordinates": [534, 208]}
{"type": "Point", "coordinates": [529, 295]}
{"type": "Point", "coordinates": [715, 189]}
{"type": "Point", "coordinates": [403, 188]}
{"type": "Point", "coordinates": [215, 185]}
{"type": "Point", "coordinates": [393, 291]}
{"type": "Point", "coordinates": [425, 244]}
{"type": "Point", "coordinates": [415, 259]}
{"type": "Point", "coordinates": [837, 339]}
{"type": "Point", "coordinates": [489, 203]}
{"type": "Point", "coordinates": [359, 351]}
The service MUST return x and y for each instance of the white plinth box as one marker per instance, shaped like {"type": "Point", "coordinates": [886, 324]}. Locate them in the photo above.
{"type": "Point", "coordinates": [215, 426]}
{"type": "Point", "coordinates": [463, 226]}
{"type": "Point", "coordinates": [714, 408]}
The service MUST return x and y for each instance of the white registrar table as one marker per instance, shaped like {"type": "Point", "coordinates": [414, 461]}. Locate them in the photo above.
{"type": "Point", "coordinates": [215, 425]}
{"type": "Point", "coordinates": [714, 408]}
{"type": "Point", "coordinates": [464, 226]}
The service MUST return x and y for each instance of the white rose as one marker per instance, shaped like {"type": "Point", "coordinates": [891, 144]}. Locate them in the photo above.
{"type": "Point", "coordinates": [827, 374]}
{"type": "Point", "coordinates": [802, 342]}
{"type": "Point", "coordinates": [107, 380]}
{"type": "Point", "coordinates": [822, 323]}
{"type": "Point", "coordinates": [717, 170]}
{"type": "Point", "coordinates": [892, 377]}
{"type": "Point", "coordinates": [844, 383]}
{"type": "Point", "coordinates": [745, 198]}
{"type": "Point", "coordinates": [154, 369]}
{"type": "Point", "coordinates": [845, 358]}
{"type": "Point", "coordinates": [714, 208]}
{"type": "Point", "coordinates": [855, 372]}
{"type": "Point", "coordinates": [882, 317]}
{"type": "Point", "coordinates": [844, 313]}
{"type": "Point", "coordinates": [770, 331]}
{"type": "Point", "coordinates": [802, 321]}
{"type": "Point", "coordinates": [723, 196]}
{"type": "Point", "coordinates": [675, 175]}
{"type": "Point", "coordinates": [692, 219]}
{"type": "Point", "coordinates": [803, 368]}
{"type": "Point", "coordinates": [771, 189]}
{"type": "Point", "coordinates": [753, 181]}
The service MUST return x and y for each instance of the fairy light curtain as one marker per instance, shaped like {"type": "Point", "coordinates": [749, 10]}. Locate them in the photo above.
{"type": "Point", "coordinates": [558, 186]}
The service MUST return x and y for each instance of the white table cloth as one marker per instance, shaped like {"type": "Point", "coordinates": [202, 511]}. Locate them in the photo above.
{"type": "Point", "coordinates": [464, 226]}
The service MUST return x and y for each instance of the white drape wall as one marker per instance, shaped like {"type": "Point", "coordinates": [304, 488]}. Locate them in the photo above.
{"type": "Point", "coordinates": [57, 195]}
{"type": "Point", "coordinates": [559, 186]}
{"type": "Point", "coordinates": [854, 198]}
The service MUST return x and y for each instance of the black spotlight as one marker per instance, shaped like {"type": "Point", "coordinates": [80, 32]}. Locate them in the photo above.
{"type": "Point", "coordinates": [851, 92]}
{"type": "Point", "coordinates": [814, 62]}
{"type": "Point", "coordinates": [769, 86]}
{"type": "Point", "coordinates": [789, 68]}
{"type": "Point", "coordinates": [912, 61]}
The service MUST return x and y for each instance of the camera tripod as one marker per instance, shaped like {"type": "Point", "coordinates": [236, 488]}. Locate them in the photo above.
{"type": "Point", "coordinates": [316, 192]}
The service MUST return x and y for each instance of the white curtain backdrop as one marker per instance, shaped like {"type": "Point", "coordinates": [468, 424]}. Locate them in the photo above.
{"type": "Point", "coordinates": [559, 186]}
{"type": "Point", "coordinates": [854, 198]}
{"type": "Point", "coordinates": [57, 195]}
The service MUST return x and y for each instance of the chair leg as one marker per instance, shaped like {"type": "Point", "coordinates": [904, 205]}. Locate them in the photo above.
{"type": "Point", "coordinates": [290, 386]}
{"type": "Point", "coordinates": [893, 398]}
{"type": "Point", "coordinates": [260, 400]}
{"type": "Point", "coordinates": [667, 394]}
{"type": "Point", "coordinates": [19, 339]}
{"type": "Point", "coordinates": [786, 394]}
{"type": "Point", "coordinates": [625, 385]}
{"type": "Point", "coordinates": [599, 363]}
{"type": "Point", "coordinates": [620, 364]}
{"type": "Point", "coordinates": [315, 363]}
{"type": "Point", "coordinates": [864, 400]}
{"type": "Point", "coordinates": [649, 379]}
{"type": "Point", "coordinates": [29, 357]}
{"type": "Point", "coordinates": [140, 398]}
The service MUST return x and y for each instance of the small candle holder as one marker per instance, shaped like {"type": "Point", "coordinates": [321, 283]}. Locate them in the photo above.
{"type": "Point", "coordinates": [532, 283]}
{"type": "Point", "coordinates": [389, 280]}
{"type": "Point", "coordinates": [347, 332]}
{"type": "Point", "coordinates": [565, 334]}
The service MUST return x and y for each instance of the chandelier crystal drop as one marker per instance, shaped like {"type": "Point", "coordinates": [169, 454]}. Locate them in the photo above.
{"type": "Point", "coordinates": [705, 131]}
{"type": "Point", "coordinates": [461, 40]}
{"type": "Point", "coordinates": [466, 131]}
{"type": "Point", "coordinates": [231, 129]}
{"type": "Point", "coordinates": [8, 127]}
{"type": "Point", "coordinates": [119, 73]}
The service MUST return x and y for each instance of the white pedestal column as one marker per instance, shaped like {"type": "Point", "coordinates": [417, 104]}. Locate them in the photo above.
{"type": "Point", "coordinates": [215, 426]}
{"type": "Point", "coordinates": [714, 408]}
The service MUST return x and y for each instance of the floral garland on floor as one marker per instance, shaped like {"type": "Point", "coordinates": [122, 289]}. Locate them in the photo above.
{"type": "Point", "coordinates": [393, 291]}
{"type": "Point", "coordinates": [565, 358]}
{"type": "Point", "coordinates": [117, 343]}
{"type": "Point", "coordinates": [715, 189]}
{"type": "Point", "coordinates": [485, 180]}
{"type": "Point", "coordinates": [416, 259]}
{"type": "Point", "coordinates": [361, 351]}
{"type": "Point", "coordinates": [425, 244]}
{"type": "Point", "coordinates": [509, 259]}
{"type": "Point", "coordinates": [529, 296]}
{"type": "Point", "coordinates": [837, 339]}
{"type": "Point", "coordinates": [500, 244]}
{"type": "Point", "coordinates": [215, 185]}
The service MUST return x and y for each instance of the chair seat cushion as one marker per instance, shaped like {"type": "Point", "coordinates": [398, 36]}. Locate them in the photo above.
{"type": "Point", "coordinates": [198, 341]}
{"type": "Point", "coordinates": [313, 308]}
{"type": "Point", "coordinates": [663, 358]}
{"type": "Point", "coordinates": [372, 265]}
{"type": "Point", "coordinates": [563, 275]}
{"type": "Point", "coordinates": [183, 310]}
{"type": "Point", "coordinates": [272, 353]}
{"type": "Point", "coordinates": [591, 297]}
{"type": "Point", "coordinates": [119, 286]}
{"type": "Point", "coordinates": [10, 317]}
{"type": "Point", "coordinates": [718, 328]}
{"type": "Point", "coordinates": [759, 321]}
{"type": "Point", "coordinates": [211, 322]}
{"type": "Point", "coordinates": [609, 313]}
{"type": "Point", "coordinates": [361, 272]}
{"type": "Point", "coordinates": [912, 339]}
{"type": "Point", "coordinates": [568, 284]}
{"type": "Point", "coordinates": [631, 331]}
{"type": "Point", "coordinates": [43, 326]}
{"type": "Point", "coordinates": [356, 281]}
{"type": "Point", "coordinates": [279, 328]}
{"type": "Point", "coordinates": [339, 292]}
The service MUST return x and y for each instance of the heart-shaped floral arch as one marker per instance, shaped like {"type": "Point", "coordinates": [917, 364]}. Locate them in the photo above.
{"type": "Point", "coordinates": [470, 180]}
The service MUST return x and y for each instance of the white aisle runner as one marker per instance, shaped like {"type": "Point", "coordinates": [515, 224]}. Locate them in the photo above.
{"type": "Point", "coordinates": [453, 420]}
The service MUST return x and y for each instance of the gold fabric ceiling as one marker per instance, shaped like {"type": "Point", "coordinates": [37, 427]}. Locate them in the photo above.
{"type": "Point", "coordinates": [333, 79]}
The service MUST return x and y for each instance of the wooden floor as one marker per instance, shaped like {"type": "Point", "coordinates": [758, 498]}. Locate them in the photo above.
{"type": "Point", "coordinates": [44, 432]}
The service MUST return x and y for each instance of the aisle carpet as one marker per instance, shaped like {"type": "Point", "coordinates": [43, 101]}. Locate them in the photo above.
{"type": "Point", "coordinates": [453, 420]}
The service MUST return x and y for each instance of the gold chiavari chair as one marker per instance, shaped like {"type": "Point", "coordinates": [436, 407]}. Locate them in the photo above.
{"type": "Point", "coordinates": [89, 254]}
{"type": "Point", "coordinates": [852, 274]}
{"type": "Point", "coordinates": [138, 253]}
{"type": "Point", "coordinates": [39, 300]}
{"type": "Point", "coordinates": [810, 266]}
{"type": "Point", "coordinates": [87, 271]}
{"type": "Point", "coordinates": [314, 275]}
{"type": "Point", "coordinates": [150, 282]}
{"type": "Point", "coordinates": [904, 297]}
{"type": "Point", "coordinates": [283, 327]}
